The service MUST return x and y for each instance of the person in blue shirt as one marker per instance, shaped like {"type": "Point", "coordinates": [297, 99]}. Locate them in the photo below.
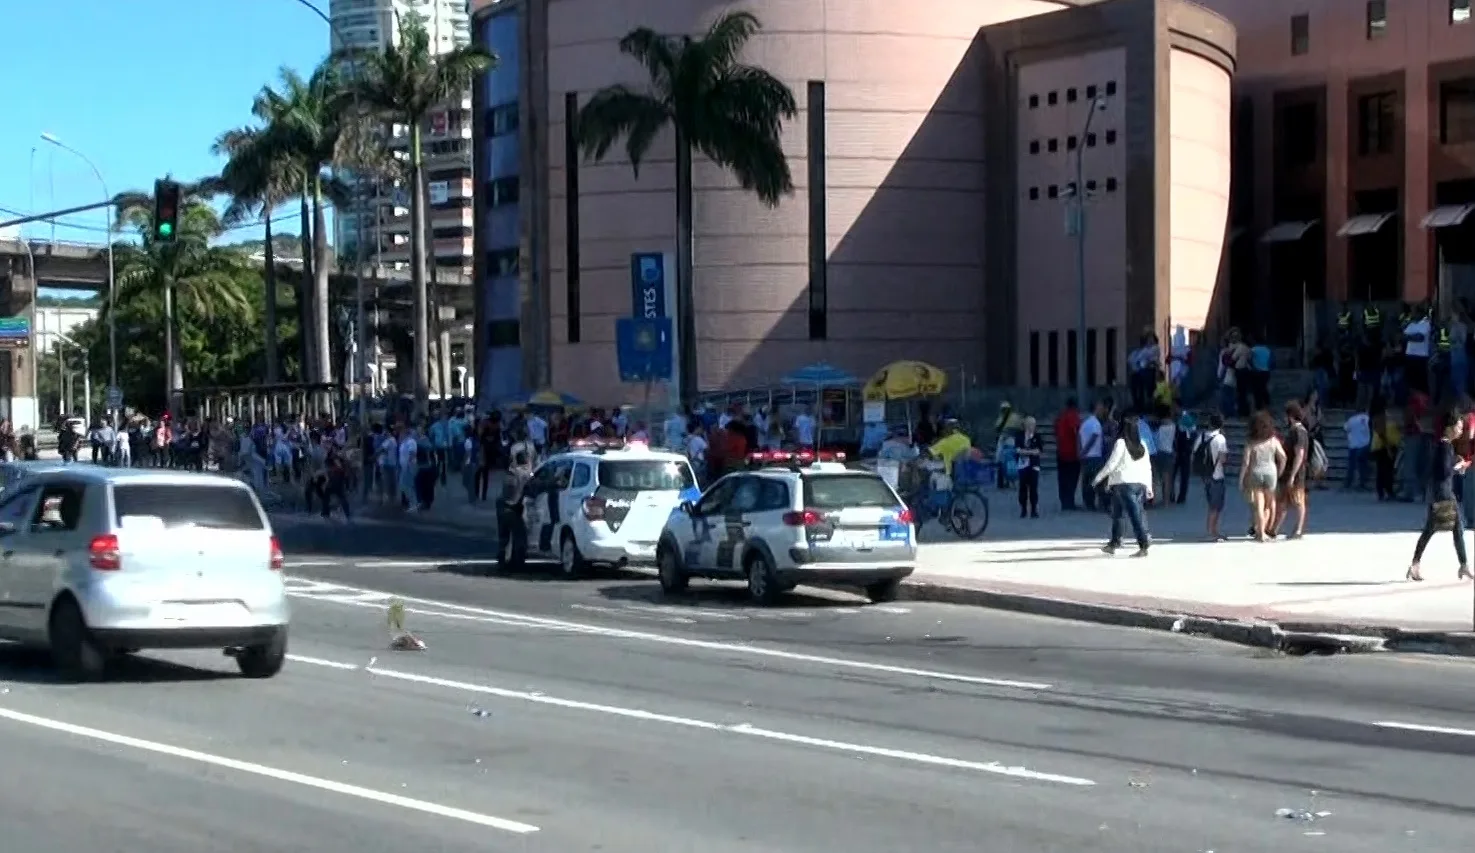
{"type": "Point", "coordinates": [456, 439]}
{"type": "Point", "coordinates": [440, 443]}
{"type": "Point", "coordinates": [1260, 373]}
{"type": "Point", "coordinates": [1184, 442]}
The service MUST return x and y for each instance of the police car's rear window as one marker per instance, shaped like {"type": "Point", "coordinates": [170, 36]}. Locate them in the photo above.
{"type": "Point", "coordinates": [645, 475]}
{"type": "Point", "coordinates": [220, 507]}
{"type": "Point", "coordinates": [838, 491]}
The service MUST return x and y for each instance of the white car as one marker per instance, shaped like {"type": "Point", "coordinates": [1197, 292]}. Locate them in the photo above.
{"type": "Point", "coordinates": [791, 519]}
{"type": "Point", "coordinates": [602, 505]}
{"type": "Point", "coordinates": [97, 562]}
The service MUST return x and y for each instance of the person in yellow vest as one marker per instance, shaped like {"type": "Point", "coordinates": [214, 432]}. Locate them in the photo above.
{"type": "Point", "coordinates": [1345, 357]}
{"type": "Point", "coordinates": [1370, 357]}
{"type": "Point", "coordinates": [1439, 364]}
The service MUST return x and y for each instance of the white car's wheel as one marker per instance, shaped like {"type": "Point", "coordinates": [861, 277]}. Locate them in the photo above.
{"type": "Point", "coordinates": [570, 561]}
{"type": "Point", "coordinates": [673, 576]}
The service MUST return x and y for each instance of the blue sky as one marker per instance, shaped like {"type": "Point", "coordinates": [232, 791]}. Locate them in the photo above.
{"type": "Point", "coordinates": [142, 87]}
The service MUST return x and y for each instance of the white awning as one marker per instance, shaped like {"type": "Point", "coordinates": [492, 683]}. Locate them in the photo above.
{"type": "Point", "coordinates": [1448, 216]}
{"type": "Point", "coordinates": [1367, 223]}
{"type": "Point", "coordinates": [1287, 232]}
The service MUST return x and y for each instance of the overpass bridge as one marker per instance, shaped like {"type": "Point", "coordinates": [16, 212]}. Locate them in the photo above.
{"type": "Point", "coordinates": [27, 264]}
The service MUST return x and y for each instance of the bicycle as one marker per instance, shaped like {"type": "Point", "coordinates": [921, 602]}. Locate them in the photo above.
{"type": "Point", "coordinates": [958, 503]}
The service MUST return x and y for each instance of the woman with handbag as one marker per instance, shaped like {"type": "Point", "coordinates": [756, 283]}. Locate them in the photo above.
{"type": "Point", "coordinates": [1444, 511]}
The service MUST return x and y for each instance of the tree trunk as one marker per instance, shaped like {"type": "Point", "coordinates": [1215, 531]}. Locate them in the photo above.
{"type": "Point", "coordinates": [321, 313]}
{"type": "Point", "coordinates": [686, 315]}
{"type": "Point", "coordinates": [269, 278]}
{"type": "Point", "coordinates": [421, 324]}
{"type": "Point", "coordinates": [304, 295]}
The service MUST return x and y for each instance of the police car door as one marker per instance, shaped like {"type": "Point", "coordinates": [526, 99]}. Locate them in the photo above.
{"type": "Point", "coordinates": [539, 501]}
{"type": "Point", "coordinates": [728, 544]}
{"type": "Point", "coordinates": [698, 546]}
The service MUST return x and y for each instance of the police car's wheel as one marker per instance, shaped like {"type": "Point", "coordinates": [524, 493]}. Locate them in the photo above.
{"type": "Point", "coordinates": [570, 561]}
{"type": "Point", "coordinates": [763, 587]}
{"type": "Point", "coordinates": [673, 578]}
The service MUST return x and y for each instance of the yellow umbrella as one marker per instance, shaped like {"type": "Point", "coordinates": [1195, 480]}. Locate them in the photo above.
{"type": "Point", "coordinates": [903, 379]}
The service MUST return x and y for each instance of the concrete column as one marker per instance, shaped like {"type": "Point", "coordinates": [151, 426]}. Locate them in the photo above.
{"type": "Point", "coordinates": [17, 366]}
{"type": "Point", "coordinates": [1417, 193]}
{"type": "Point", "coordinates": [1336, 202]}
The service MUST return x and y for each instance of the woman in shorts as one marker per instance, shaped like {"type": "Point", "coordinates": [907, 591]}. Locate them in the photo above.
{"type": "Point", "coordinates": [1259, 476]}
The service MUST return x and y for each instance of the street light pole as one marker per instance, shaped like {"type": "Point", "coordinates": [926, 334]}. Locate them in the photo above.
{"type": "Point", "coordinates": [112, 281]}
{"type": "Point", "coordinates": [1097, 105]}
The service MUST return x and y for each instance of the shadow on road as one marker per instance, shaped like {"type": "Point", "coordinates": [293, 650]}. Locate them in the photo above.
{"type": "Point", "coordinates": [715, 596]}
{"type": "Point", "coordinates": [24, 665]}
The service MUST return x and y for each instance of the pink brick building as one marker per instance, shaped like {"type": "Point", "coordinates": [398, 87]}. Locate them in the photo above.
{"type": "Point", "coordinates": [935, 155]}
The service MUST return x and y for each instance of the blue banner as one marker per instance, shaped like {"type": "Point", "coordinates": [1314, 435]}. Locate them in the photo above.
{"type": "Point", "coordinates": [645, 349]}
{"type": "Point", "coordinates": [648, 285]}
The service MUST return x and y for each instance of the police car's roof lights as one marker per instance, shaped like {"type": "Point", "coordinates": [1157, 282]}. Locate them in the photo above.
{"type": "Point", "coordinates": [604, 445]}
{"type": "Point", "coordinates": [795, 461]}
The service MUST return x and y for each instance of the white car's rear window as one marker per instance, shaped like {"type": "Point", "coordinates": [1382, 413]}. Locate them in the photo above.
{"type": "Point", "coordinates": [181, 505]}
{"type": "Point", "coordinates": [645, 475]}
{"type": "Point", "coordinates": [839, 491]}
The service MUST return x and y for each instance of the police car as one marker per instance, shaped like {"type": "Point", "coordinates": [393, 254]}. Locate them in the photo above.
{"type": "Point", "coordinates": [602, 504]}
{"type": "Point", "coordinates": [791, 519]}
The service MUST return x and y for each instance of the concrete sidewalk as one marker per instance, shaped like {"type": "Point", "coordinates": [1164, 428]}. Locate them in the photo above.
{"type": "Point", "coordinates": [1342, 583]}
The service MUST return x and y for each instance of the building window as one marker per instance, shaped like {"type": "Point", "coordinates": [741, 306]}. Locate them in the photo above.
{"type": "Point", "coordinates": [1110, 90]}
{"type": "Point", "coordinates": [1070, 189]}
{"type": "Point", "coordinates": [1457, 111]}
{"type": "Point", "coordinates": [504, 333]}
{"type": "Point", "coordinates": [1052, 192]}
{"type": "Point", "coordinates": [1300, 34]}
{"type": "Point", "coordinates": [501, 191]}
{"type": "Point", "coordinates": [1090, 358]}
{"type": "Point", "coordinates": [1034, 193]}
{"type": "Point", "coordinates": [1376, 124]}
{"type": "Point", "coordinates": [1298, 137]}
{"type": "Point", "coordinates": [1111, 185]}
{"type": "Point", "coordinates": [1090, 140]}
{"type": "Point", "coordinates": [1034, 146]}
{"type": "Point", "coordinates": [1053, 98]}
{"type": "Point", "coordinates": [1052, 359]}
{"type": "Point", "coordinates": [1111, 137]}
{"type": "Point", "coordinates": [1052, 146]}
{"type": "Point", "coordinates": [818, 215]}
{"type": "Point", "coordinates": [1090, 187]}
{"type": "Point", "coordinates": [1111, 355]}
{"type": "Point", "coordinates": [501, 120]}
{"type": "Point", "coordinates": [501, 262]}
{"type": "Point", "coordinates": [1459, 11]}
{"type": "Point", "coordinates": [1091, 92]}
{"type": "Point", "coordinates": [1070, 96]}
{"type": "Point", "coordinates": [450, 233]}
{"type": "Point", "coordinates": [1034, 102]}
{"type": "Point", "coordinates": [1377, 18]}
{"type": "Point", "coordinates": [1072, 362]}
{"type": "Point", "coordinates": [1034, 359]}
{"type": "Point", "coordinates": [1070, 143]}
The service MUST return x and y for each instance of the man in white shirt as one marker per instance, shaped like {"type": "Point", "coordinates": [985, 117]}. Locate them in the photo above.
{"type": "Point", "coordinates": [676, 432]}
{"type": "Point", "coordinates": [1416, 342]}
{"type": "Point", "coordinates": [537, 432]}
{"type": "Point", "coordinates": [1209, 456]}
{"type": "Point", "coordinates": [1092, 455]}
{"type": "Point", "coordinates": [696, 453]}
{"type": "Point", "coordinates": [1359, 430]}
{"type": "Point", "coordinates": [408, 450]}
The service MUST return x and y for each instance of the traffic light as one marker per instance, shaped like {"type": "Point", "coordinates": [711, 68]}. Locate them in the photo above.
{"type": "Point", "coordinates": [166, 209]}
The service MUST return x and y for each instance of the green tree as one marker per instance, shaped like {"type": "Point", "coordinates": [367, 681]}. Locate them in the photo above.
{"type": "Point", "coordinates": [402, 83]}
{"type": "Point", "coordinates": [257, 186]}
{"type": "Point", "coordinates": [185, 277]}
{"type": "Point", "coordinates": [303, 136]}
{"type": "Point", "coordinates": [729, 112]}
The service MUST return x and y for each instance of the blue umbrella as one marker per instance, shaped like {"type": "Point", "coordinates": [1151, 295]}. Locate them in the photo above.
{"type": "Point", "coordinates": [822, 374]}
{"type": "Point", "coordinates": [544, 399]}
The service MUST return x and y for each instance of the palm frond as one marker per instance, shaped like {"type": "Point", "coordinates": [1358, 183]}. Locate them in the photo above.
{"type": "Point", "coordinates": [615, 112]}
{"type": "Point", "coordinates": [656, 53]}
{"type": "Point", "coordinates": [726, 38]}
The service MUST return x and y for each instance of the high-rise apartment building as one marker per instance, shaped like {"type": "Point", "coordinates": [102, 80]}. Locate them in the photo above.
{"type": "Point", "coordinates": [446, 145]}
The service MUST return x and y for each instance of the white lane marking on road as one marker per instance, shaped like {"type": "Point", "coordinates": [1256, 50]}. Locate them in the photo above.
{"type": "Point", "coordinates": [309, 564]}
{"type": "Point", "coordinates": [321, 662]}
{"type": "Point", "coordinates": [448, 610]}
{"type": "Point", "coordinates": [406, 564]}
{"type": "Point", "coordinates": [991, 767]}
{"type": "Point", "coordinates": [1419, 727]}
{"type": "Point", "coordinates": [636, 614]}
{"type": "Point", "coordinates": [270, 772]}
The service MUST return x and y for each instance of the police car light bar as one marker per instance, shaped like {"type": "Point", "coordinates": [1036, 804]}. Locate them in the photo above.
{"type": "Point", "coordinates": [602, 445]}
{"type": "Point", "coordinates": [792, 460]}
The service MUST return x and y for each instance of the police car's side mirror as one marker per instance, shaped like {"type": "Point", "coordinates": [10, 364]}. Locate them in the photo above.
{"type": "Point", "coordinates": [688, 507]}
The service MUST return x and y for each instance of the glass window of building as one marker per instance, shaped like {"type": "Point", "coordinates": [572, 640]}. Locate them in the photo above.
{"type": "Point", "coordinates": [1377, 18]}
{"type": "Point", "coordinates": [1300, 35]}
{"type": "Point", "coordinates": [1459, 11]}
{"type": "Point", "coordinates": [1457, 111]}
{"type": "Point", "coordinates": [1376, 124]}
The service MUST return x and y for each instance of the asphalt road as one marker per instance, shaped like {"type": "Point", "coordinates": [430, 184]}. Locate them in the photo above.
{"type": "Point", "coordinates": [558, 717]}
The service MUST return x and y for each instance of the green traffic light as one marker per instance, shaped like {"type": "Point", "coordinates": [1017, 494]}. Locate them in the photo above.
{"type": "Point", "coordinates": [165, 229]}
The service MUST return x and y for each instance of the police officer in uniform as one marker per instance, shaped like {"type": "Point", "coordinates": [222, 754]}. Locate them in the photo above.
{"type": "Point", "coordinates": [1439, 362]}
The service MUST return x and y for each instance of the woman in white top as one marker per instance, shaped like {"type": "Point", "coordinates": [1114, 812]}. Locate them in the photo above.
{"type": "Point", "coordinates": [1128, 473]}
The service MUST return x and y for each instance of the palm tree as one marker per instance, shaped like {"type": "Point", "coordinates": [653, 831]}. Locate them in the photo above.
{"type": "Point", "coordinates": [257, 186]}
{"type": "Point", "coordinates": [193, 277]}
{"type": "Point", "coordinates": [402, 83]}
{"type": "Point", "coordinates": [730, 112]}
{"type": "Point", "coordinates": [305, 123]}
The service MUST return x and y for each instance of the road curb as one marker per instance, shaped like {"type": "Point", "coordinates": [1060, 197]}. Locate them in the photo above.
{"type": "Point", "coordinates": [1298, 638]}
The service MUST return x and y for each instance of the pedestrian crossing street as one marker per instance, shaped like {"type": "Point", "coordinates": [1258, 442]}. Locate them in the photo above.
{"type": "Point", "coordinates": [723, 605]}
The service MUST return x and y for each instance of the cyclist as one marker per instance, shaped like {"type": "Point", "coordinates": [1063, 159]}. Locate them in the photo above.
{"type": "Point", "coordinates": [953, 445]}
